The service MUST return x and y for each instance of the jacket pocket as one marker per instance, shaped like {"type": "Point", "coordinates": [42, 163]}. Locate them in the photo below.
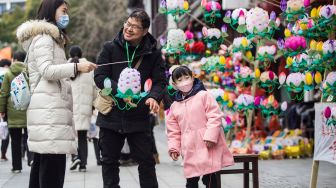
{"type": "Point", "coordinates": [188, 141]}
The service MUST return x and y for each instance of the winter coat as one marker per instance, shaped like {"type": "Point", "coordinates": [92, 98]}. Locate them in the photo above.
{"type": "Point", "coordinates": [83, 94]}
{"type": "Point", "coordinates": [15, 118]}
{"type": "Point", "coordinates": [135, 119]}
{"type": "Point", "coordinates": [49, 115]}
{"type": "Point", "coordinates": [190, 122]}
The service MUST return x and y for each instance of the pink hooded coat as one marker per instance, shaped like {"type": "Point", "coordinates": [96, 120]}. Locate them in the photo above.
{"type": "Point", "coordinates": [189, 124]}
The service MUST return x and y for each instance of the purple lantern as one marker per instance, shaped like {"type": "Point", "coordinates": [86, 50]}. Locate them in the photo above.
{"type": "Point", "coordinates": [281, 43]}
{"type": "Point", "coordinates": [273, 16]}
{"type": "Point", "coordinates": [283, 5]}
{"type": "Point", "coordinates": [224, 28]}
{"type": "Point", "coordinates": [228, 14]}
{"type": "Point", "coordinates": [199, 35]}
{"type": "Point", "coordinates": [163, 4]}
{"type": "Point", "coordinates": [162, 41]}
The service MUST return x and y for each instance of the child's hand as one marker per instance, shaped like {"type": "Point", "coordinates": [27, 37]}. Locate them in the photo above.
{"type": "Point", "coordinates": [209, 144]}
{"type": "Point", "coordinates": [174, 155]}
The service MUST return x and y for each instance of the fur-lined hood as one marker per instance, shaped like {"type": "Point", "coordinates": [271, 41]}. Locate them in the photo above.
{"type": "Point", "coordinates": [30, 29]}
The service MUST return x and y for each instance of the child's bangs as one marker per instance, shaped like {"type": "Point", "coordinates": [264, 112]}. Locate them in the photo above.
{"type": "Point", "coordinates": [181, 71]}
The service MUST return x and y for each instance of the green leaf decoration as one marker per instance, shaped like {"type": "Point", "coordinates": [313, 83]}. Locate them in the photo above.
{"type": "Point", "coordinates": [162, 10]}
{"type": "Point", "coordinates": [255, 30]}
{"type": "Point", "coordinates": [227, 20]}
{"type": "Point", "coordinates": [241, 29]}
{"type": "Point", "coordinates": [106, 91]}
{"type": "Point", "coordinates": [272, 24]}
{"type": "Point", "coordinates": [225, 35]}
{"type": "Point", "coordinates": [129, 92]}
{"type": "Point", "coordinates": [136, 97]}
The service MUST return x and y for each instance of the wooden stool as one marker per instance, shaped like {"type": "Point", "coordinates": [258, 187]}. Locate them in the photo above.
{"type": "Point", "coordinates": [246, 159]}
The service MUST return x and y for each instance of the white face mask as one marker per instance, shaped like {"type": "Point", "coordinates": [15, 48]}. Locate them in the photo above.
{"type": "Point", "coordinates": [185, 85]}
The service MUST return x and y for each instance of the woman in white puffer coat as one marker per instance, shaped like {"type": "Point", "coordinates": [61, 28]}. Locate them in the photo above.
{"type": "Point", "coordinates": [49, 115]}
{"type": "Point", "coordinates": [83, 93]}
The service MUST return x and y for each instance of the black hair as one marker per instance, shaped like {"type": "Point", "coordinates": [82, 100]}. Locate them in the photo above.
{"type": "Point", "coordinates": [142, 16]}
{"type": "Point", "coordinates": [47, 11]}
{"type": "Point", "coordinates": [19, 56]}
{"type": "Point", "coordinates": [75, 53]}
{"type": "Point", "coordinates": [5, 62]}
{"type": "Point", "coordinates": [181, 71]}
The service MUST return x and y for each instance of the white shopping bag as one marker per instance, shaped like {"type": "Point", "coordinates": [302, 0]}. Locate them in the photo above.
{"type": "Point", "coordinates": [3, 129]}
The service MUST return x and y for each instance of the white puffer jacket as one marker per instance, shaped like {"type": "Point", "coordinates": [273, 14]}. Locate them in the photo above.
{"type": "Point", "coordinates": [49, 115]}
{"type": "Point", "coordinates": [83, 94]}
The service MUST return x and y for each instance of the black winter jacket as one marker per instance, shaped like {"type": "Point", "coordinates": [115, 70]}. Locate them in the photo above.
{"type": "Point", "coordinates": [136, 119]}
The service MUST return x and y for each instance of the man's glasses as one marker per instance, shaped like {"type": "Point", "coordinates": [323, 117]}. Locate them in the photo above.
{"type": "Point", "coordinates": [129, 25]}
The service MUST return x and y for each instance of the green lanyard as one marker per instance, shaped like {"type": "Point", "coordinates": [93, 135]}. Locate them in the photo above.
{"type": "Point", "coordinates": [128, 57]}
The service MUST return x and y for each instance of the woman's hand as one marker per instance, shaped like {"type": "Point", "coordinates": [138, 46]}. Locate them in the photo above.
{"type": "Point", "coordinates": [86, 67]}
{"type": "Point", "coordinates": [174, 155]}
{"type": "Point", "coordinates": [209, 144]}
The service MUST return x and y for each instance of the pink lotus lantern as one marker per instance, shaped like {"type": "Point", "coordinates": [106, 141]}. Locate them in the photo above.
{"type": "Point", "coordinates": [296, 42]}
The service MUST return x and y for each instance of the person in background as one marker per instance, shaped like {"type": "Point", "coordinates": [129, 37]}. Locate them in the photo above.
{"type": "Point", "coordinates": [93, 136]}
{"type": "Point", "coordinates": [83, 95]}
{"type": "Point", "coordinates": [5, 64]}
{"type": "Point", "coordinates": [49, 115]}
{"type": "Point", "coordinates": [4, 67]}
{"type": "Point", "coordinates": [16, 119]}
{"type": "Point", "coordinates": [194, 130]}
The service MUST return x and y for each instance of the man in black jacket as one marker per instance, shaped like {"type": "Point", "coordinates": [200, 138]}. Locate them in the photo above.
{"type": "Point", "coordinates": [131, 44]}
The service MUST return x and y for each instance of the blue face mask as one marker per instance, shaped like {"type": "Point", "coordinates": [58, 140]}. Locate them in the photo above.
{"type": "Point", "coordinates": [63, 22]}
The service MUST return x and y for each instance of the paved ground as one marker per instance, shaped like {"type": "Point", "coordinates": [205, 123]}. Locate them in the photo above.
{"type": "Point", "coordinates": [278, 174]}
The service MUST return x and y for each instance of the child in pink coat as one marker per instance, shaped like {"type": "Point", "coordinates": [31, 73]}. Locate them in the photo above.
{"type": "Point", "coordinates": [194, 130]}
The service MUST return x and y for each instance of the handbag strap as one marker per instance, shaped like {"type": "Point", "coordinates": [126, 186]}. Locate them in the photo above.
{"type": "Point", "coordinates": [138, 63]}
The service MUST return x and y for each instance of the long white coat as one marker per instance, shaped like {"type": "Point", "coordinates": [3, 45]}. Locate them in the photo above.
{"type": "Point", "coordinates": [49, 115]}
{"type": "Point", "coordinates": [83, 93]}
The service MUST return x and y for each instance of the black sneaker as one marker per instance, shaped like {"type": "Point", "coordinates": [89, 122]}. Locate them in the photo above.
{"type": "Point", "coordinates": [82, 168]}
{"type": "Point", "coordinates": [75, 164]}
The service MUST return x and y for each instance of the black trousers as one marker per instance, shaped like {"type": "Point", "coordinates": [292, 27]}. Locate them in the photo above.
{"type": "Point", "coordinates": [16, 141]}
{"type": "Point", "coordinates": [208, 180]}
{"type": "Point", "coordinates": [140, 143]}
{"type": "Point", "coordinates": [24, 147]}
{"type": "Point", "coordinates": [96, 149]}
{"type": "Point", "coordinates": [82, 148]}
{"type": "Point", "coordinates": [48, 171]}
{"type": "Point", "coordinates": [4, 146]}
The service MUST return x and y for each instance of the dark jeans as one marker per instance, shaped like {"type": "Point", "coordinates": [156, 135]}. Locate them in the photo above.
{"type": "Point", "coordinates": [140, 144]}
{"type": "Point", "coordinates": [16, 141]}
{"type": "Point", "coordinates": [96, 149]}
{"type": "Point", "coordinates": [208, 180]}
{"type": "Point", "coordinates": [48, 171]}
{"type": "Point", "coordinates": [24, 147]}
{"type": "Point", "coordinates": [82, 148]}
{"type": "Point", "coordinates": [4, 146]}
